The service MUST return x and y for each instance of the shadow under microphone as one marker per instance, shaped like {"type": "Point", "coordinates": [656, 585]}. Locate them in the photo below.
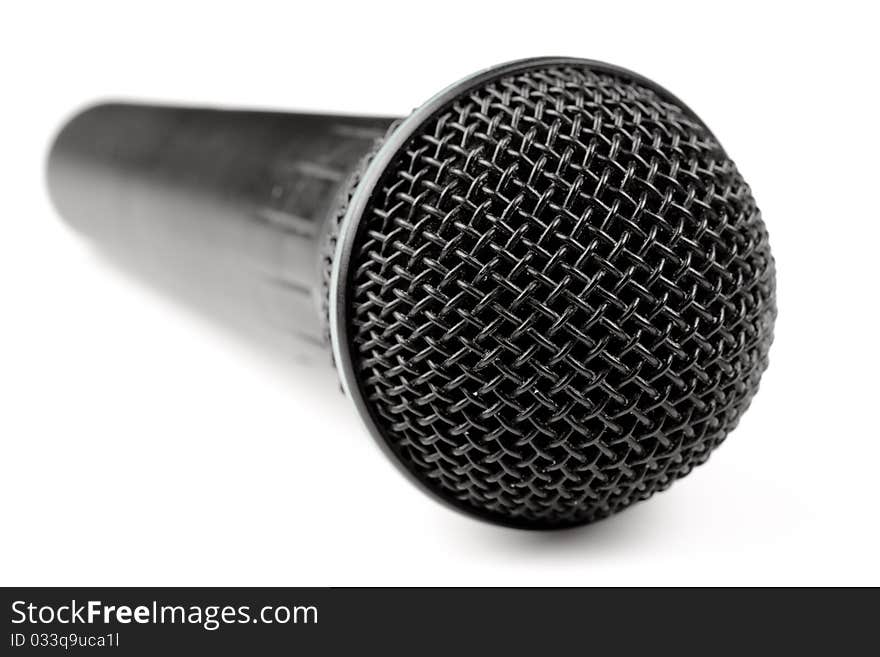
{"type": "Point", "coordinates": [548, 290]}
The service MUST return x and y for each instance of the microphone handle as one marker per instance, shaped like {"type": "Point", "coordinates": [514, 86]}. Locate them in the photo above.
{"type": "Point", "coordinates": [228, 204]}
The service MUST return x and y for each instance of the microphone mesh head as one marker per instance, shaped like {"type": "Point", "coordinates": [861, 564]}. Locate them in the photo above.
{"type": "Point", "coordinates": [561, 296]}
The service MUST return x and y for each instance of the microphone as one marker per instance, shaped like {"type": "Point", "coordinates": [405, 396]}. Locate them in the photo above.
{"type": "Point", "coordinates": [548, 291]}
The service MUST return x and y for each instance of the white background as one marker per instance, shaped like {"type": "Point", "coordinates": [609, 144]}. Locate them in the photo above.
{"type": "Point", "coordinates": [140, 443]}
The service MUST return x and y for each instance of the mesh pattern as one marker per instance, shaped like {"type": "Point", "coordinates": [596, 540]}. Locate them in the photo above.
{"type": "Point", "coordinates": [330, 237]}
{"type": "Point", "coordinates": [563, 297]}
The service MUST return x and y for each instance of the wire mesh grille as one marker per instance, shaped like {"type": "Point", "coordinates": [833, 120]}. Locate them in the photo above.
{"type": "Point", "coordinates": [562, 297]}
{"type": "Point", "coordinates": [330, 238]}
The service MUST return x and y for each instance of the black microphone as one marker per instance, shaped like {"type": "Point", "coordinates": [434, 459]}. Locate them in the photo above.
{"type": "Point", "coordinates": [548, 291]}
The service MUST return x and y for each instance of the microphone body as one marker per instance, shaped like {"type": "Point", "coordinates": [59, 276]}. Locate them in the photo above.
{"type": "Point", "coordinates": [232, 203]}
{"type": "Point", "coordinates": [548, 291]}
